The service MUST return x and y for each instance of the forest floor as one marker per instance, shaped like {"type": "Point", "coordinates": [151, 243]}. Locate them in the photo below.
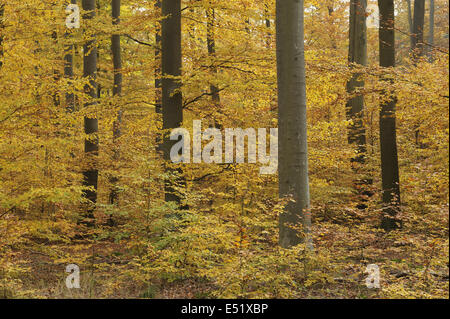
{"type": "Point", "coordinates": [408, 270]}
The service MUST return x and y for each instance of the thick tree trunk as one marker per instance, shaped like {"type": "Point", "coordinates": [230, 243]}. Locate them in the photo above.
{"type": "Point", "coordinates": [357, 55]}
{"type": "Point", "coordinates": [355, 105]}
{"type": "Point", "coordinates": [90, 124]}
{"type": "Point", "coordinates": [388, 137]}
{"type": "Point", "coordinates": [419, 20]}
{"type": "Point", "coordinates": [172, 103]}
{"type": "Point", "coordinates": [293, 145]}
{"type": "Point", "coordinates": [117, 91]}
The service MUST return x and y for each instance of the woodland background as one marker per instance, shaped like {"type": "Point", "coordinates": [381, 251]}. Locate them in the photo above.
{"type": "Point", "coordinates": [224, 243]}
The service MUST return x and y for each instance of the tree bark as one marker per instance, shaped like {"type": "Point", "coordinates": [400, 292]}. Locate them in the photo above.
{"type": "Point", "coordinates": [172, 104]}
{"type": "Point", "coordinates": [411, 24]}
{"type": "Point", "coordinates": [268, 25]}
{"type": "Point", "coordinates": [388, 137]}
{"type": "Point", "coordinates": [431, 31]}
{"type": "Point", "coordinates": [158, 106]}
{"type": "Point", "coordinates": [2, 12]}
{"type": "Point", "coordinates": [90, 124]}
{"type": "Point", "coordinates": [211, 43]}
{"type": "Point", "coordinates": [293, 145]}
{"type": "Point", "coordinates": [355, 105]}
{"type": "Point", "coordinates": [117, 91]}
{"type": "Point", "coordinates": [68, 70]}
{"type": "Point", "coordinates": [419, 20]}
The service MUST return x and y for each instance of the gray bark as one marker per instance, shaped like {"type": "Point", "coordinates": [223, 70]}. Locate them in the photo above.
{"type": "Point", "coordinates": [211, 43]}
{"type": "Point", "coordinates": [268, 25]}
{"type": "Point", "coordinates": [411, 24]}
{"type": "Point", "coordinates": [68, 73]}
{"type": "Point", "coordinates": [158, 106]}
{"type": "Point", "coordinates": [117, 91]}
{"type": "Point", "coordinates": [357, 55]}
{"type": "Point", "coordinates": [90, 124]}
{"type": "Point", "coordinates": [2, 12]}
{"type": "Point", "coordinates": [388, 134]}
{"type": "Point", "coordinates": [293, 145]}
{"type": "Point", "coordinates": [418, 28]}
{"type": "Point", "coordinates": [431, 30]}
{"type": "Point", "coordinates": [68, 70]}
{"type": "Point", "coordinates": [172, 103]}
{"type": "Point", "coordinates": [355, 105]}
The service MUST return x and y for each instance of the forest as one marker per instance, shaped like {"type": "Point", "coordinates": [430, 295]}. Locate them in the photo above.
{"type": "Point", "coordinates": [240, 149]}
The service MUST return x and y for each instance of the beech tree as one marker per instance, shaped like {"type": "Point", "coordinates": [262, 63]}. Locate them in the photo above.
{"type": "Point", "coordinates": [431, 27]}
{"type": "Point", "coordinates": [90, 124]}
{"type": "Point", "coordinates": [293, 144]}
{"type": "Point", "coordinates": [410, 23]}
{"type": "Point", "coordinates": [68, 69]}
{"type": "Point", "coordinates": [2, 11]}
{"type": "Point", "coordinates": [172, 102]}
{"type": "Point", "coordinates": [418, 27]}
{"type": "Point", "coordinates": [388, 132]}
{"type": "Point", "coordinates": [247, 231]}
{"type": "Point", "coordinates": [355, 105]}
{"type": "Point", "coordinates": [211, 44]}
{"type": "Point", "coordinates": [117, 91]}
{"type": "Point", "coordinates": [158, 93]}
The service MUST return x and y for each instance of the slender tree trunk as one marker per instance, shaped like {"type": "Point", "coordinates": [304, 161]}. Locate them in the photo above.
{"type": "Point", "coordinates": [68, 70]}
{"type": "Point", "coordinates": [419, 20]}
{"type": "Point", "coordinates": [293, 145]}
{"type": "Point", "coordinates": [158, 93]}
{"type": "Point", "coordinates": [388, 137]}
{"type": "Point", "coordinates": [330, 8]}
{"type": "Point", "coordinates": [117, 91]}
{"type": "Point", "coordinates": [411, 24]}
{"type": "Point", "coordinates": [56, 73]}
{"type": "Point", "coordinates": [2, 12]}
{"type": "Point", "coordinates": [90, 124]}
{"type": "Point", "coordinates": [431, 31]}
{"type": "Point", "coordinates": [418, 46]}
{"type": "Point", "coordinates": [211, 43]}
{"type": "Point", "coordinates": [172, 103]}
{"type": "Point", "coordinates": [268, 25]}
{"type": "Point", "coordinates": [355, 105]}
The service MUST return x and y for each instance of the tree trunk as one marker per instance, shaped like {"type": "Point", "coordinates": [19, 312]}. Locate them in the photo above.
{"type": "Point", "coordinates": [90, 124]}
{"type": "Point", "coordinates": [2, 12]}
{"type": "Point", "coordinates": [268, 25]}
{"type": "Point", "coordinates": [330, 8]}
{"type": "Point", "coordinates": [158, 106]}
{"type": "Point", "coordinates": [211, 43]}
{"type": "Point", "coordinates": [388, 138]}
{"type": "Point", "coordinates": [419, 20]}
{"type": "Point", "coordinates": [68, 70]}
{"type": "Point", "coordinates": [117, 91]}
{"type": "Point", "coordinates": [431, 31]}
{"type": "Point", "coordinates": [411, 24]}
{"type": "Point", "coordinates": [355, 105]}
{"type": "Point", "coordinates": [293, 145]}
{"type": "Point", "coordinates": [172, 103]}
